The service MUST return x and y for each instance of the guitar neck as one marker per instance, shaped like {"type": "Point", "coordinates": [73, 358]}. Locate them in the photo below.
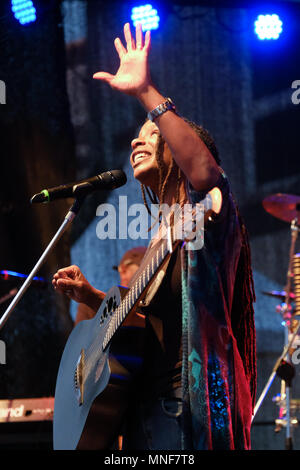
{"type": "Point", "coordinates": [191, 221]}
{"type": "Point", "coordinates": [142, 281]}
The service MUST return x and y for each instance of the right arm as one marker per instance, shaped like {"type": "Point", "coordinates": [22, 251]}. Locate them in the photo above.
{"type": "Point", "coordinates": [71, 282]}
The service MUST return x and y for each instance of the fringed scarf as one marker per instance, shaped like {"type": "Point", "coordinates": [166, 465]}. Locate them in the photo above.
{"type": "Point", "coordinates": [219, 368]}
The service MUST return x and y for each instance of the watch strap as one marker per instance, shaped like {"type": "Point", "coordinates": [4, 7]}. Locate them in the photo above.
{"type": "Point", "coordinates": [167, 105]}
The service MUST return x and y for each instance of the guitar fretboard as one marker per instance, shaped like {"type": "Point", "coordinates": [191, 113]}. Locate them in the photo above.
{"type": "Point", "coordinates": [142, 280]}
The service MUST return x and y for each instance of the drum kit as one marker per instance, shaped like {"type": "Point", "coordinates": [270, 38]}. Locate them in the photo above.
{"type": "Point", "coordinates": [286, 207]}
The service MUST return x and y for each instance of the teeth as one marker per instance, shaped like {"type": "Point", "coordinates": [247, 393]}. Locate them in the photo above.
{"type": "Point", "coordinates": [139, 156]}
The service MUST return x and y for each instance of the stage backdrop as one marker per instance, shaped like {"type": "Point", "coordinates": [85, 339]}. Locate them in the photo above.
{"type": "Point", "coordinates": [37, 152]}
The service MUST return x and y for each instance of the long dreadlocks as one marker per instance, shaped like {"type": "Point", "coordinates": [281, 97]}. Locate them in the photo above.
{"type": "Point", "coordinates": [242, 311]}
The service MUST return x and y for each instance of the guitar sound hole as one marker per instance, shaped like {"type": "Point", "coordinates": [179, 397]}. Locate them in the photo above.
{"type": "Point", "coordinates": [109, 309]}
{"type": "Point", "coordinates": [110, 304]}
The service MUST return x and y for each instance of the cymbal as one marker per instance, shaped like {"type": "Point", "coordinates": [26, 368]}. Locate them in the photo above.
{"type": "Point", "coordinates": [279, 294]}
{"type": "Point", "coordinates": [285, 207]}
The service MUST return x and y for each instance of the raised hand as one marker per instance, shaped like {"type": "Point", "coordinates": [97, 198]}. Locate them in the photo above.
{"type": "Point", "coordinates": [71, 281]}
{"type": "Point", "coordinates": [133, 76]}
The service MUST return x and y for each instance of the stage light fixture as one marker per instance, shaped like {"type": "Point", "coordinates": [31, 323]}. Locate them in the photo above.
{"type": "Point", "coordinates": [23, 11]}
{"type": "Point", "coordinates": [268, 26]}
{"type": "Point", "coordinates": [146, 15]}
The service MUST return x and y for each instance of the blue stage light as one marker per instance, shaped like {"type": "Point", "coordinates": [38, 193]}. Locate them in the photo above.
{"type": "Point", "coordinates": [268, 26]}
{"type": "Point", "coordinates": [23, 11]}
{"type": "Point", "coordinates": [146, 15]}
{"type": "Point", "coordinates": [6, 274]}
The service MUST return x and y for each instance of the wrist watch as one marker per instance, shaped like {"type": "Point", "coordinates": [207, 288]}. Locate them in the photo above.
{"type": "Point", "coordinates": [168, 105]}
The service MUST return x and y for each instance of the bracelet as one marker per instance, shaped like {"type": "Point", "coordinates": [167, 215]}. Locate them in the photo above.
{"type": "Point", "coordinates": [168, 105]}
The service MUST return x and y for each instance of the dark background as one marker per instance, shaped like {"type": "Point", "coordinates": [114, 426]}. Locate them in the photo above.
{"type": "Point", "coordinates": [59, 125]}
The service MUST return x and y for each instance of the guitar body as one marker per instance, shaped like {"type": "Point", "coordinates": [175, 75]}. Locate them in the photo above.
{"type": "Point", "coordinates": [93, 386]}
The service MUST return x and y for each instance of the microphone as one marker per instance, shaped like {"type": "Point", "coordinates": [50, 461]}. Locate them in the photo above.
{"type": "Point", "coordinates": [108, 180]}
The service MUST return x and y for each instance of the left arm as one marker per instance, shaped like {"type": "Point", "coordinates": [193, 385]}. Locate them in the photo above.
{"type": "Point", "coordinates": [188, 149]}
{"type": "Point", "coordinates": [133, 78]}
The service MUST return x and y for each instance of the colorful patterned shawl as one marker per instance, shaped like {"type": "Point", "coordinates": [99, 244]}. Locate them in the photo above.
{"type": "Point", "coordinates": [219, 370]}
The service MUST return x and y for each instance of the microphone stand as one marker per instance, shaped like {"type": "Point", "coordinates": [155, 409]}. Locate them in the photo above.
{"type": "Point", "coordinates": [282, 367]}
{"type": "Point", "coordinates": [278, 363]}
{"type": "Point", "coordinates": [71, 214]}
{"type": "Point", "coordinates": [286, 382]}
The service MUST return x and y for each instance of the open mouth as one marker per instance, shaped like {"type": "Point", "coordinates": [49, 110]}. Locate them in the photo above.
{"type": "Point", "coordinates": [140, 156]}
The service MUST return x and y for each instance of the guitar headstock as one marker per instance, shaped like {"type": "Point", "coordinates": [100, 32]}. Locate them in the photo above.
{"type": "Point", "coordinates": [186, 223]}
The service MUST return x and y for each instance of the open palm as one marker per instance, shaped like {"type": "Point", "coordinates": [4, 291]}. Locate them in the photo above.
{"type": "Point", "coordinates": [133, 74]}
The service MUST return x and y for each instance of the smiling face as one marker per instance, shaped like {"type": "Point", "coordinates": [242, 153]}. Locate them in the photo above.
{"type": "Point", "coordinates": [143, 158]}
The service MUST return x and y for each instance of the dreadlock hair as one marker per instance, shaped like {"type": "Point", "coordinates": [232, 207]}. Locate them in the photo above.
{"type": "Point", "coordinates": [242, 311]}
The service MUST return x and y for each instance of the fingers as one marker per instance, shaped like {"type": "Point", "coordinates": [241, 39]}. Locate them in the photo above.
{"type": "Point", "coordinates": [68, 284]}
{"type": "Point", "coordinates": [131, 45]}
{"type": "Point", "coordinates": [120, 48]}
{"type": "Point", "coordinates": [139, 40]}
{"type": "Point", "coordinates": [128, 38]}
{"type": "Point", "coordinates": [68, 287]}
{"type": "Point", "coordinates": [106, 77]}
{"type": "Point", "coordinates": [147, 40]}
{"type": "Point", "coordinates": [71, 282]}
{"type": "Point", "coordinates": [139, 36]}
{"type": "Point", "coordinates": [59, 282]}
{"type": "Point", "coordinates": [68, 272]}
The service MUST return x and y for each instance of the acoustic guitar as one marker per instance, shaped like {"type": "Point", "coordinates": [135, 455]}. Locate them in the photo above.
{"type": "Point", "coordinates": [104, 354]}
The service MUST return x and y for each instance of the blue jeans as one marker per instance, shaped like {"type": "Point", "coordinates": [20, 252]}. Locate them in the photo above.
{"type": "Point", "coordinates": [154, 425]}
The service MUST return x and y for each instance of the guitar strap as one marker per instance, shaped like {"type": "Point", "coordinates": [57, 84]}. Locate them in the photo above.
{"type": "Point", "coordinates": [155, 284]}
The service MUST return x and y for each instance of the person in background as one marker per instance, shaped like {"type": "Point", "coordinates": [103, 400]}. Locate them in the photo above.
{"type": "Point", "coordinates": [126, 268]}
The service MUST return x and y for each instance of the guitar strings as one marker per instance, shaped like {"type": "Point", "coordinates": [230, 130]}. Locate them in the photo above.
{"type": "Point", "coordinates": [120, 313]}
